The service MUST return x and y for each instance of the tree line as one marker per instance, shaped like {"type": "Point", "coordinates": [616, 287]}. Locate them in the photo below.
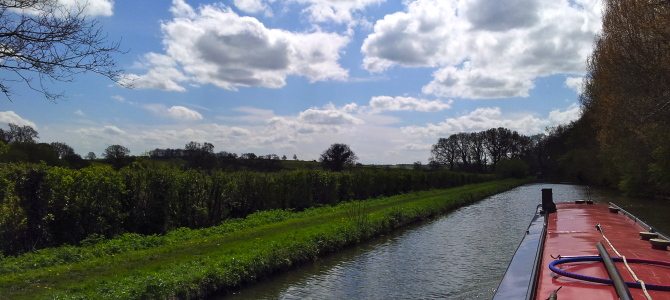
{"type": "Point", "coordinates": [43, 206]}
{"type": "Point", "coordinates": [626, 98]}
{"type": "Point", "coordinates": [482, 151]}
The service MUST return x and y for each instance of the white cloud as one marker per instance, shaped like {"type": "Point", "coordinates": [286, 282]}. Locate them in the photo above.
{"type": "Point", "coordinates": [252, 115]}
{"type": "Point", "coordinates": [338, 11]}
{"type": "Point", "coordinates": [575, 83]}
{"type": "Point", "coordinates": [183, 114]}
{"type": "Point", "coordinates": [387, 103]}
{"type": "Point", "coordinates": [254, 6]}
{"type": "Point", "coordinates": [107, 132]}
{"type": "Point", "coordinates": [328, 117]}
{"type": "Point", "coordinates": [216, 46]}
{"type": "Point", "coordinates": [90, 7]}
{"type": "Point", "coordinates": [79, 112]}
{"type": "Point", "coordinates": [7, 117]}
{"type": "Point", "coordinates": [572, 113]}
{"type": "Point", "coordinates": [482, 48]}
{"type": "Point", "coordinates": [163, 74]}
{"type": "Point", "coordinates": [492, 117]}
{"type": "Point", "coordinates": [178, 113]}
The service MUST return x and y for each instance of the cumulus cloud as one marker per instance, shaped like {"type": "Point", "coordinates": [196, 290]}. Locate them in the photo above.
{"type": "Point", "coordinates": [339, 11]}
{"type": "Point", "coordinates": [482, 48]}
{"type": "Point", "coordinates": [183, 114]}
{"type": "Point", "coordinates": [328, 117]}
{"type": "Point", "coordinates": [492, 117]}
{"type": "Point", "coordinates": [572, 113]}
{"type": "Point", "coordinates": [254, 6]}
{"type": "Point", "coordinates": [163, 74]}
{"type": "Point", "coordinates": [387, 103]}
{"type": "Point", "coordinates": [178, 113]}
{"type": "Point", "coordinates": [575, 83]}
{"type": "Point", "coordinates": [79, 112]}
{"type": "Point", "coordinates": [214, 45]}
{"type": "Point", "coordinates": [11, 117]}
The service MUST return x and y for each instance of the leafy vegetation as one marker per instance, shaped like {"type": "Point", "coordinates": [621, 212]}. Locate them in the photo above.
{"type": "Point", "coordinates": [190, 264]}
{"type": "Point", "coordinates": [626, 98]}
{"type": "Point", "coordinates": [43, 206]}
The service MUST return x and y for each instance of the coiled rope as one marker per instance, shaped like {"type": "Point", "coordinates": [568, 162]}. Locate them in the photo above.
{"type": "Point", "coordinates": [625, 262]}
{"type": "Point", "coordinates": [655, 287]}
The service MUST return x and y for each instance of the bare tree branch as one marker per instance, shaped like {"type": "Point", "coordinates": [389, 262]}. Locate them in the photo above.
{"type": "Point", "coordinates": [51, 42]}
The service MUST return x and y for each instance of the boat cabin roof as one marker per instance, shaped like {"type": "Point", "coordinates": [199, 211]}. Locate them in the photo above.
{"type": "Point", "coordinates": [571, 231]}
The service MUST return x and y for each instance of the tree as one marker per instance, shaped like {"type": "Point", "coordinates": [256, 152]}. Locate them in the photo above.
{"type": "Point", "coordinates": [62, 149]}
{"type": "Point", "coordinates": [117, 155]}
{"type": "Point", "coordinates": [53, 41]}
{"type": "Point", "coordinates": [295, 157]}
{"type": "Point", "coordinates": [20, 134]}
{"type": "Point", "coordinates": [91, 156]}
{"type": "Point", "coordinates": [444, 152]}
{"type": "Point", "coordinates": [335, 157]}
{"type": "Point", "coordinates": [627, 93]}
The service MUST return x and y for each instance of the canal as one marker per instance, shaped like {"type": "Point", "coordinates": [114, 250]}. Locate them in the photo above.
{"type": "Point", "coordinates": [462, 255]}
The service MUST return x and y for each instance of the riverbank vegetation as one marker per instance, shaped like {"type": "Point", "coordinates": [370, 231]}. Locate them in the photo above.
{"type": "Point", "coordinates": [193, 263]}
{"type": "Point", "coordinates": [43, 206]}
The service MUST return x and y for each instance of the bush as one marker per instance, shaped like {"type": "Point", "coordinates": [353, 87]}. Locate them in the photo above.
{"type": "Point", "coordinates": [511, 168]}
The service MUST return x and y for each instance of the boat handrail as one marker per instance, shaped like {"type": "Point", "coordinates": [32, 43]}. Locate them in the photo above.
{"type": "Point", "coordinates": [638, 221]}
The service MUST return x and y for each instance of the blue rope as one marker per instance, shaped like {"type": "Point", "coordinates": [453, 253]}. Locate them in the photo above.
{"type": "Point", "coordinates": [656, 287]}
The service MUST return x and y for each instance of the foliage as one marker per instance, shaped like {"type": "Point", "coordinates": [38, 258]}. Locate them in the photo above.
{"type": "Point", "coordinates": [626, 92]}
{"type": "Point", "coordinates": [511, 168]}
{"type": "Point", "coordinates": [117, 155]}
{"type": "Point", "coordinates": [481, 151]}
{"type": "Point", "coordinates": [19, 134]}
{"type": "Point", "coordinates": [336, 156]}
{"type": "Point", "coordinates": [50, 206]}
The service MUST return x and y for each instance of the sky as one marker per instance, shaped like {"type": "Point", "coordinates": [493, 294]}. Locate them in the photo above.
{"type": "Point", "coordinates": [292, 77]}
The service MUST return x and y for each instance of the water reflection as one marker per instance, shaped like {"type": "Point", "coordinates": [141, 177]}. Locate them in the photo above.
{"type": "Point", "coordinates": [462, 255]}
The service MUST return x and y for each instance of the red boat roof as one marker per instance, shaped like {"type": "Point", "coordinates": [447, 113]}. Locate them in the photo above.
{"type": "Point", "coordinates": [571, 231]}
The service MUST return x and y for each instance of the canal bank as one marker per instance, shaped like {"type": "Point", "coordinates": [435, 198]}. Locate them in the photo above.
{"type": "Point", "coordinates": [194, 263]}
{"type": "Point", "coordinates": [462, 255]}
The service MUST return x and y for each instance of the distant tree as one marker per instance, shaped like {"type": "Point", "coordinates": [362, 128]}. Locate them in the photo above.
{"type": "Point", "coordinates": [16, 133]}
{"type": "Point", "coordinates": [417, 166]}
{"type": "Point", "coordinates": [434, 165]}
{"type": "Point", "coordinates": [75, 161]}
{"type": "Point", "coordinates": [32, 152]}
{"type": "Point", "coordinates": [336, 156]}
{"type": "Point", "coordinates": [248, 156]}
{"type": "Point", "coordinates": [91, 156]}
{"type": "Point", "coordinates": [445, 152]}
{"type": "Point", "coordinates": [62, 149]}
{"type": "Point", "coordinates": [295, 157]}
{"type": "Point", "coordinates": [283, 157]}
{"type": "Point", "coordinates": [117, 155]}
{"type": "Point", "coordinates": [53, 41]}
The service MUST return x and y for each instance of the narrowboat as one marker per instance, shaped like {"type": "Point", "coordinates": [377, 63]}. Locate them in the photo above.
{"type": "Point", "coordinates": [586, 250]}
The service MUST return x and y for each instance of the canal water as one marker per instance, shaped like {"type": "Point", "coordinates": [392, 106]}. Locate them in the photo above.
{"type": "Point", "coordinates": [462, 255]}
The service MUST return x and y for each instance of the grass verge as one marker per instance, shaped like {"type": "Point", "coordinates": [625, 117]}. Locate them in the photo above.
{"type": "Point", "coordinates": [191, 264]}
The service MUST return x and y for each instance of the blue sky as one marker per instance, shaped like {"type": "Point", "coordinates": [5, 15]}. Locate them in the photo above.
{"type": "Point", "coordinates": [292, 77]}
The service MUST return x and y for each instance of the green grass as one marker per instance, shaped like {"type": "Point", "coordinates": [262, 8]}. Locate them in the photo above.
{"type": "Point", "coordinates": [189, 264]}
